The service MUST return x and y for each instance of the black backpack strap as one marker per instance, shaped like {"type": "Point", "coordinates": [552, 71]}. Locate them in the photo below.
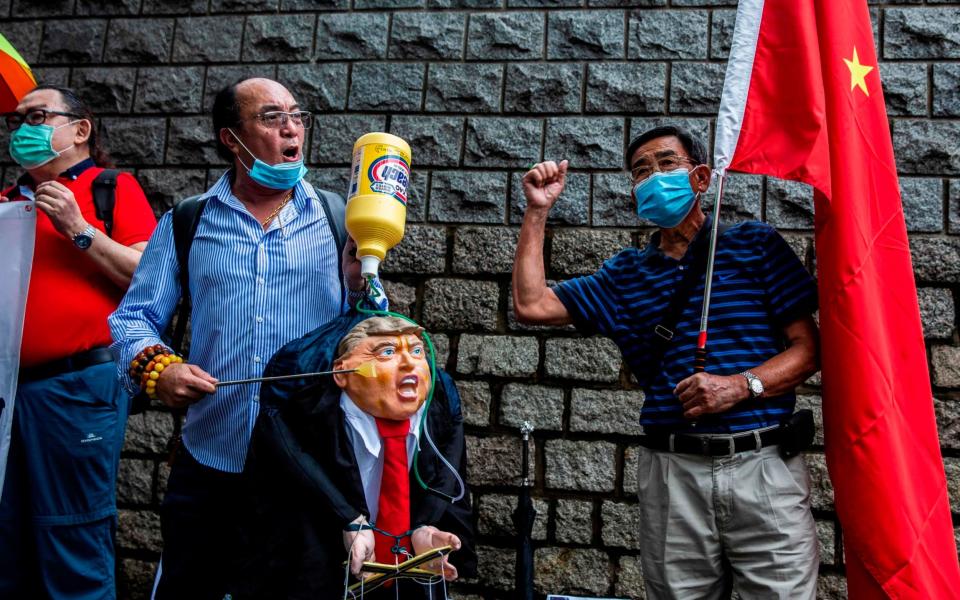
{"type": "Point", "coordinates": [335, 208]}
{"type": "Point", "coordinates": [186, 218]}
{"type": "Point", "coordinates": [104, 197]}
{"type": "Point", "coordinates": [664, 331]}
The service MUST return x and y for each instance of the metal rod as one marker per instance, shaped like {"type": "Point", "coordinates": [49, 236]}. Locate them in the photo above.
{"type": "Point", "coordinates": [282, 377]}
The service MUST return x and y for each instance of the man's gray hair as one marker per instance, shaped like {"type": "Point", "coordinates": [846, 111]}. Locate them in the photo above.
{"type": "Point", "coordinates": [375, 326]}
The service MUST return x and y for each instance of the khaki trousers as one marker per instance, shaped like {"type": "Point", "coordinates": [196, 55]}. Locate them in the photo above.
{"type": "Point", "coordinates": [743, 522]}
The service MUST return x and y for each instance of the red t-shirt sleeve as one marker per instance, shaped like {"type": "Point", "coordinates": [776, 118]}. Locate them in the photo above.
{"type": "Point", "coordinates": [133, 219]}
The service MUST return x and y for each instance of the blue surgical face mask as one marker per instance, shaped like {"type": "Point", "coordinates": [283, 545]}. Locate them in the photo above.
{"type": "Point", "coordinates": [665, 198]}
{"type": "Point", "coordinates": [31, 146]}
{"type": "Point", "coordinates": [281, 176]}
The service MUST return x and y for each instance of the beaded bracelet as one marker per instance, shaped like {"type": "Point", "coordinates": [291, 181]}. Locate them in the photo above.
{"type": "Point", "coordinates": [146, 367]}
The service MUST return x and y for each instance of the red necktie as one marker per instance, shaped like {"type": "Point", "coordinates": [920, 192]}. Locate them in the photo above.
{"type": "Point", "coordinates": [393, 513]}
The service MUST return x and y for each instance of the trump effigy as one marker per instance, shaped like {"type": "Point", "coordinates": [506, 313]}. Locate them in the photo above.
{"type": "Point", "coordinates": [358, 477]}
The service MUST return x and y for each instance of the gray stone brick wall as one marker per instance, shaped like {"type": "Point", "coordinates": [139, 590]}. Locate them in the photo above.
{"type": "Point", "coordinates": [482, 89]}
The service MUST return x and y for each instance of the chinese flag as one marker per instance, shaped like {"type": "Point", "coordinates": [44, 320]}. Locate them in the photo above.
{"type": "Point", "coordinates": [802, 100]}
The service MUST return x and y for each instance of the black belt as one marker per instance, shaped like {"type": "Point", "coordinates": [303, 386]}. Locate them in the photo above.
{"type": "Point", "coordinates": [723, 445]}
{"type": "Point", "coordinates": [80, 360]}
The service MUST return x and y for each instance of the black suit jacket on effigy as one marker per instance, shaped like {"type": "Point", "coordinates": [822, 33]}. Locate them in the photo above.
{"type": "Point", "coordinates": [306, 484]}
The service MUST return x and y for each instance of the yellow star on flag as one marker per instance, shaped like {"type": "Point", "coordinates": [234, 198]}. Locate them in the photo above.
{"type": "Point", "coordinates": [858, 72]}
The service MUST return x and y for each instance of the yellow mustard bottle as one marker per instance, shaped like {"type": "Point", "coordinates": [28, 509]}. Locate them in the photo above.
{"type": "Point", "coordinates": [377, 199]}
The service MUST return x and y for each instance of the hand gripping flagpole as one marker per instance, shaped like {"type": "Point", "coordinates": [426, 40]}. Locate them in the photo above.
{"type": "Point", "coordinates": [700, 354]}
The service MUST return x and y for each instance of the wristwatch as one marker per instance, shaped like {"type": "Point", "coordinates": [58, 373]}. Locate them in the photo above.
{"type": "Point", "coordinates": [753, 384]}
{"type": "Point", "coordinates": [84, 239]}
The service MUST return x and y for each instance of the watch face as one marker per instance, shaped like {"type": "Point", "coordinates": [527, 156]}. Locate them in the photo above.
{"type": "Point", "coordinates": [83, 241]}
{"type": "Point", "coordinates": [756, 386]}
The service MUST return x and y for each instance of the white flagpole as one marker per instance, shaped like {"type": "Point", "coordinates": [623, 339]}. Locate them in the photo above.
{"type": "Point", "coordinates": [736, 86]}
{"type": "Point", "coordinates": [700, 354]}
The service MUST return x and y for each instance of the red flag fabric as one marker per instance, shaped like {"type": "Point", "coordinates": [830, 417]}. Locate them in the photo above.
{"type": "Point", "coordinates": [802, 100]}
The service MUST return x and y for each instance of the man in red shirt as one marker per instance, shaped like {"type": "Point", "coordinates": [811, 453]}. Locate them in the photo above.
{"type": "Point", "coordinates": [58, 507]}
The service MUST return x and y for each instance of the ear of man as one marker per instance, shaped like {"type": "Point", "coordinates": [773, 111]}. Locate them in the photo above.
{"type": "Point", "coordinates": [227, 139]}
{"type": "Point", "coordinates": [702, 175]}
{"type": "Point", "coordinates": [339, 378]}
{"type": "Point", "coordinates": [82, 135]}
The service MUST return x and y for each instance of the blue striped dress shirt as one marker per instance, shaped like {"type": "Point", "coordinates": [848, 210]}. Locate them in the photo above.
{"type": "Point", "coordinates": [253, 291]}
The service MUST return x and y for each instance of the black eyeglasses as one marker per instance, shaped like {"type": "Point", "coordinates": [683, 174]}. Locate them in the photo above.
{"type": "Point", "coordinates": [276, 119]}
{"type": "Point", "coordinates": [34, 116]}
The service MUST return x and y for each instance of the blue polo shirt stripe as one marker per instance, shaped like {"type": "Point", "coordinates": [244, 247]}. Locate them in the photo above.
{"type": "Point", "coordinates": [759, 287]}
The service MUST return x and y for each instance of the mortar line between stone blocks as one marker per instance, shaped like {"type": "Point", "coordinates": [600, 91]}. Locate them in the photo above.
{"type": "Point", "coordinates": [764, 195]}
{"type": "Point", "coordinates": [243, 36]}
{"type": "Point", "coordinates": [596, 522]}
{"type": "Point", "coordinates": [167, 124]}
{"type": "Point", "coordinates": [466, 35]}
{"type": "Point", "coordinates": [135, 91]}
{"type": "Point", "coordinates": [551, 522]}
{"type": "Point", "coordinates": [461, 159]}
{"type": "Point", "coordinates": [450, 232]}
{"type": "Point", "coordinates": [503, 307]}
{"type": "Point", "coordinates": [346, 99]}
{"type": "Point", "coordinates": [567, 414]}
{"type": "Point", "coordinates": [668, 81]}
{"type": "Point", "coordinates": [583, 88]}
{"type": "Point", "coordinates": [106, 37]}
{"type": "Point", "coordinates": [503, 87]}
{"type": "Point", "coordinates": [386, 48]}
{"type": "Point", "coordinates": [626, 35]}
{"type": "Point", "coordinates": [944, 206]}
{"type": "Point", "coordinates": [710, 13]}
{"type": "Point", "coordinates": [546, 35]}
{"type": "Point", "coordinates": [543, 138]}
{"type": "Point", "coordinates": [625, 141]}
{"type": "Point", "coordinates": [881, 18]}
{"type": "Point", "coordinates": [313, 39]}
{"type": "Point", "coordinates": [428, 182]}
{"type": "Point", "coordinates": [173, 44]}
{"type": "Point", "coordinates": [619, 471]}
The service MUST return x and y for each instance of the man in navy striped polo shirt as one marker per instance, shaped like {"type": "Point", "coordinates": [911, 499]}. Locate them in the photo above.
{"type": "Point", "coordinates": [720, 507]}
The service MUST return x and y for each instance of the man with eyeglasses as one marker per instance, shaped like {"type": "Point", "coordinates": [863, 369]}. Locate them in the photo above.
{"type": "Point", "coordinates": [58, 508]}
{"type": "Point", "coordinates": [722, 506]}
{"type": "Point", "coordinates": [264, 269]}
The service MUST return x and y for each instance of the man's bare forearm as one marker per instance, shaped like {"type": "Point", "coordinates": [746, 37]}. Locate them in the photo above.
{"type": "Point", "coordinates": [801, 359]}
{"type": "Point", "coordinates": [116, 261]}
{"type": "Point", "coordinates": [533, 301]}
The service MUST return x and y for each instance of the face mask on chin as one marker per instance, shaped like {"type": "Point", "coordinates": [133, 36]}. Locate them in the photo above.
{"type": "Point", "coordinates": [665, 198]}
{"type": "Point", "coordinates": [31, 146]}
{"type": "Point", "coordinates": [281, 176]}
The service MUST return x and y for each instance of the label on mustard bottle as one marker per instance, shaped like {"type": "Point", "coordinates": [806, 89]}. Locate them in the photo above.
{"type": "Point", "coordinates": [388, 172]}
